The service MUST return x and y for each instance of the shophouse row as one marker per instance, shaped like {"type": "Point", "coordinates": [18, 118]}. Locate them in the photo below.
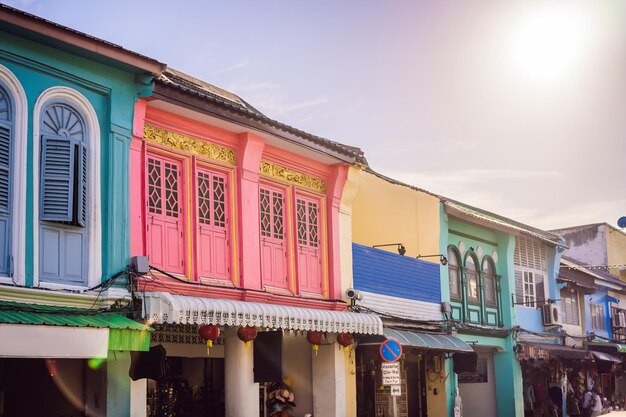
{"type": "Point", "coordinates": [167, 249]}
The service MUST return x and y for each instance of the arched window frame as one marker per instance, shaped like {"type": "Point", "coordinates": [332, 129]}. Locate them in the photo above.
{"type": "Point", "coordinates": [93, 229]}
{"type": "Point", "coordinates": [18, 176]}
{"type": "Point", "coordinates": [468, 277]}
{"type": "Point", "coordinates": [454, 254]}
{"type": "Point", "coordinates": [488, 260]}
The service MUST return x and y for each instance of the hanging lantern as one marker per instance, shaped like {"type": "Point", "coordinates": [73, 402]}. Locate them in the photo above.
{"type": "Point", "coordinates": [314, 338]}
{"type": "Point", "coordinates": [247, 334]}
{"type": "Point", "coordinates": [345, 340]}
{"type": "Point", "coordinates": [210, 333]}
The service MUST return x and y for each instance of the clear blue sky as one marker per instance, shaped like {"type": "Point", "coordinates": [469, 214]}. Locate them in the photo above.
{"type": "Point", "coordinates": [515, 107]}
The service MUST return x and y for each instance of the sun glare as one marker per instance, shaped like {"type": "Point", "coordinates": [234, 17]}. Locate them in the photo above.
{"type": "Point", "coordinates": [549, 42]}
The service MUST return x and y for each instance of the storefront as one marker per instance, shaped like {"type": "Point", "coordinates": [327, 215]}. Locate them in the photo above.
{"type": "Point", "coordinates": [422, 374]}
{"type": "Point", "coordinates": [556, 377]}
{"type": "Point", "coordinates": [72, 361]}
{"type": "Point", "coordinates": [295, 359]}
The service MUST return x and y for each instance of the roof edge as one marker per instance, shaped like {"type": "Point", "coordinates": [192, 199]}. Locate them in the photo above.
{"type": "Point", "coordinates": [79, 39]}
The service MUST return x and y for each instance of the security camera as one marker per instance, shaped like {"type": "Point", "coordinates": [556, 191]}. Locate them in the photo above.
{"type": "Point", "coordinates": [353, 294]}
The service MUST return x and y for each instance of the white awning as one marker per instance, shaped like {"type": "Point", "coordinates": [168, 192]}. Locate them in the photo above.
{"type": "Point", "coordinates": [161, 307]}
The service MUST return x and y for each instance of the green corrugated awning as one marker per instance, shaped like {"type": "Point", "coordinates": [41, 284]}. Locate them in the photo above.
{"type": "Point", "coordinates": [443, 342]}
{"type": "Point", "coordinates": [124, 333]}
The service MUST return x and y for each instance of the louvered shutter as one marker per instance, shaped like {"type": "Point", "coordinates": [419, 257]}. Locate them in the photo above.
{"type": "Point", "coordinates": [5, 164]}
{"type": "Point", "coordinates": [519, 287]}
{"type": "Point", "coordinates": [540, 295]}
{"type": "Point", "coordinates": [81, 185]}
{"type": "Point", "coordinates": [57, 179]}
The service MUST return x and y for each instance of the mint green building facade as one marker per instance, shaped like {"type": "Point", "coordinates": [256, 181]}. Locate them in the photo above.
{"type": "Point", "coordinates": [479, 290]}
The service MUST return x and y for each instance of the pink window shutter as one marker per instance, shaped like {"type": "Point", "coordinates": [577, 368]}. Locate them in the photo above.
{"type": "Point", "coordinates": [212, 223]}
{"type": "Point", "coordinates": [274, 261]}
{"type": "Point", "coordinates": [308, 245]}
{"type": "Point", "coordinates": [165, 214]}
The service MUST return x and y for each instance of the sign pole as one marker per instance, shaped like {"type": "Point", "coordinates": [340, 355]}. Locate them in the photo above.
{"type": "Point", "coordinates": [394, 406]}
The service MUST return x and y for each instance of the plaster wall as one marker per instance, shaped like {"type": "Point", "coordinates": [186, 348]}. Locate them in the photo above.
{"type": "Point", "coordinates": [436, 401]}
{"type": "Point", "coordinates": [111, 92]}
{"type": "Point", "coordinates": [616, 251]}
{"type": "Point", "coordinates": [297, 364]}
{"type": "Point", "coordinates": [586, 244]}
{"type": "Point", "coordinates": [384, 212]}
{"type": "Point", "coordinates": [479, 399]}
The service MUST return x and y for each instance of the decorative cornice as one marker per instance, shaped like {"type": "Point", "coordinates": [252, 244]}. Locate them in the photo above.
{"type": "Point", "coordinates": [189, 144]}
{"type": "Point", "coordinates": [294, 177]}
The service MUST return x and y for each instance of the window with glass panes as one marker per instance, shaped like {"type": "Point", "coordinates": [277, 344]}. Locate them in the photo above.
{"type": "Point", "coordinates": [597, 316]}
{"type": "Point", "coordinates": [569, 306]}
{"type": "Point", "coordinates": [471, 277]}
{"type": "Point", "coordinates": [454, 276]}
{"type": "Point", "coordinates": [489, 281]}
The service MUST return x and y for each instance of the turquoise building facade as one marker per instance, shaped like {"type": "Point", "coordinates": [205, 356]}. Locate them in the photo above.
{"type": "Point", "coordinates": [66, 118]}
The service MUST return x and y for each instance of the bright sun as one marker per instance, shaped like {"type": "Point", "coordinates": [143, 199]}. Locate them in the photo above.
{"type": "Point", "coordinates": [549, 42]}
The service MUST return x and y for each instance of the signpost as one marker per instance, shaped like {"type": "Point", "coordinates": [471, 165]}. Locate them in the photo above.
{"type": "Point", "coordinates": [390, 352]}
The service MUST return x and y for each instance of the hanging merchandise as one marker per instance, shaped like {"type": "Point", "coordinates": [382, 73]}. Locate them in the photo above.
{"type": "Point", "coordinates": [345, 340]}
{"type": "Point", "coordinates": [280, 400]}
{"type": "Point", "coordinates": [247, 334]}
{"type": "Point", "coordinates": [314, 338]}
{"type": "Point", "coordinates": [210, 333]}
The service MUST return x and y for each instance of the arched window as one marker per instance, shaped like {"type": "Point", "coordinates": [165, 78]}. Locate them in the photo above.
{"type": "Point", "coordinates": [489, 278]}
{"type": "Point", "coordinates": [454, 273]}
{"type": "Point", "coordinates": [6, 167]}
{"type": "Point", "coordinates": [471, 277]}
{"type": "Point", "coordinates": [63, 195]}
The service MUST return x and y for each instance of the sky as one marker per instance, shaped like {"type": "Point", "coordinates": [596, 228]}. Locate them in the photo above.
{"type": "Point", "coordinates": [516, 107]}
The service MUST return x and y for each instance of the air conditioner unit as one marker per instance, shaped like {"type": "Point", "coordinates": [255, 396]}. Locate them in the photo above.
{"type": "Point", "coordinates": [551, 315]}
{"type": "Point", "coordinates": [620, 319]}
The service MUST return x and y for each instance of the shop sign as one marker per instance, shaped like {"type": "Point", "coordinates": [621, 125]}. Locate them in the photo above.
{"type": "Point", "coordinates": [391, 373]}
{"type": "Point", "coordinates": [396, 391]}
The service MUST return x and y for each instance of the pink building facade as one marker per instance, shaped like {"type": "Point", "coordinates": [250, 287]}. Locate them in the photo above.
{"type": "Point", "coordinates": [239, 216]}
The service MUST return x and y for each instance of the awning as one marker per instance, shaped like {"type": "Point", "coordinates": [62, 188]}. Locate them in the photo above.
{"type": "Point", "coordinates": [163, 307]}
{"type": "Point", "coordinates": [33, 330]}
{"type": "Point", "coordinates": [609, 346]}
{"type": "Point", "coordinates": [603, 356]}
{"type": "Point", "coordinates": [422, 340]}
{"type": "Point", "coordinates": [529, 350]}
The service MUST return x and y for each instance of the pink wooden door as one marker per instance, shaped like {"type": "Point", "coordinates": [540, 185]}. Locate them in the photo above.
{"type": "Point", "coordinates": [274, 272]}
{"type": "Point", "coordinates": [212, 224]}
{"type": "Point", "coordinates": [165, 219]}
{"type": "Point", "coordinates": [308, 248]}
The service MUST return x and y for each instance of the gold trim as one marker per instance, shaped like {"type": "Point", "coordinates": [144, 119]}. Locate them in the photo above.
{"type": "Point", "coordinates": [294, 177]}
{"type": "Point", "coordinates": [188, 144]}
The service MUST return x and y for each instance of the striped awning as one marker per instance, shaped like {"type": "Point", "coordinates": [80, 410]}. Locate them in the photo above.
{"type": "Point", "coordinates": [603, 356]}
{"type": "Point", "coordinates": [161, 307]}
{"type": "Point", "coordinates": [432, 341]}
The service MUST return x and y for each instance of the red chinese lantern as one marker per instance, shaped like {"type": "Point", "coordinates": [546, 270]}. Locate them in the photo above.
{"type": "Point", "coordinates": [314, 338]}
{"type": "Point", "coordinates": [246, 334]}
{"type": "Point", "coordinates": [210, 333]}
{"type": "Point", "coordinates": [345, 340]}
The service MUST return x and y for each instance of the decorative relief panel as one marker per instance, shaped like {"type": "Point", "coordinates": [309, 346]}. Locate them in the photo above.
{"type": "Point", "coordinates": [294, 177]}
{"type": "Point", "coordinates": [189, 144]}
{"type": "Point", "coordinates": [178, 333]}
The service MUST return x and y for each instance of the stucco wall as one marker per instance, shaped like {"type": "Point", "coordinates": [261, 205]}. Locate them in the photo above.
{"type": "Point", "coordinates": [384, 212]}
{"type": "Point", "coordinates": [616, 250]}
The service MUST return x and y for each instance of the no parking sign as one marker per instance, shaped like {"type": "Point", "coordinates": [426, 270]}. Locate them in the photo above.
{"type": "Point", "coordinates": [390, 350]}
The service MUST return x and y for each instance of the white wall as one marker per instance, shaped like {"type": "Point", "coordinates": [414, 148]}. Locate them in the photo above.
{"type": "Point", "coordinates": [297, 366]}
{"type": "Point", "coordinates": [479, 399]}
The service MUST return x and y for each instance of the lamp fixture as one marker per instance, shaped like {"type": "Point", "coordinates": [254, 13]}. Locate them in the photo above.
{"type": "Point", "coordinates": [442, 258]}
{"type": "Point", "coordinates": [401, 248]}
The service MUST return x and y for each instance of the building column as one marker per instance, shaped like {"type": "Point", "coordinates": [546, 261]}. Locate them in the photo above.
{"type": "Point", "coordinates": [329, 382]}
{"type": "Point", "coordinates": [242, 393]}
{"type": "Point", "coordinates": [117, 384]}
{"type": "Point", "coordinates": [138, 397]}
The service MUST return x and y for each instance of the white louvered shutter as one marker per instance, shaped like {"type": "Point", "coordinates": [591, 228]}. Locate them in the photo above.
{"type": "Point", "coordinates": [5, 168]}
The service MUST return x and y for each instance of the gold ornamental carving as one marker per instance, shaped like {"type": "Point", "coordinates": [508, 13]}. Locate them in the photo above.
{"type": "Point", "coordinates": [294, 177]}
{"type": "Point", "coordinates": [188, 144]}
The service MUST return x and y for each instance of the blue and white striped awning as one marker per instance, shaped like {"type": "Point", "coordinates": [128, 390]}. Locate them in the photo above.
{"type": "Point", "coordinates": [162, 307]}
{"type": "Point", "coordinates": [432, 341]}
